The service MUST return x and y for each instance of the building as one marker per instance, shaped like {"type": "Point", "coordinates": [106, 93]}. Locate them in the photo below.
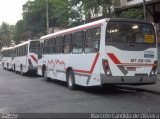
{"type": "Point", "coordinates": [152, 13]}
{"type": "Point", "coordinates": [152, 10]}
{"type": "Point", "coordinates": [125, 3]}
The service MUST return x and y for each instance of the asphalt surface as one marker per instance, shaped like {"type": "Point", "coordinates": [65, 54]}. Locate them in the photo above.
{"type": "Point", "coordinates": [30, 94]}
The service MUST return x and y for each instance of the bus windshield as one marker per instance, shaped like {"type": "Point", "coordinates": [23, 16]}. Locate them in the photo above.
{"type": "Point", "coordinates": [130, 32]}
{"type": "Point", "coordinates": [34, 47]}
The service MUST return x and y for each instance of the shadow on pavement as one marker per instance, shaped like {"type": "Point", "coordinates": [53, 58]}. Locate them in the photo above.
{"type": "Point", "coordinates": [98, 90]}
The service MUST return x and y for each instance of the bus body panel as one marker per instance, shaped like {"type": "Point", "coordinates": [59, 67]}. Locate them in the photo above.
{"type": "Point", "coordinates": [24, 57]}
{"type": "Point", "coordinates": [29, 62]}
{"type": "Point", "coordinates": [125, 66]}
{"type": "Point", "coordinates": [134, 61]}
{"type": "Point", "coordinates": [130, 61]}
{"type": "Point", "coordinates": [86, 74]}
{"type": "Point", "coordinates": [7, 57]}
{"type": "Point", "coordinates": [21, 62]}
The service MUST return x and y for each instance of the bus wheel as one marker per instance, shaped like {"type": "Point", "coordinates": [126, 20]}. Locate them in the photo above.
{"type": "Point", "coordinates": [22, 73]}
{"type": "Point", "coordinates": [14, 68]}
{"type": "Point", "coordinates": [7, 66]}
{"type": "Point", "coordinates": [71, 80]}
{"type": "Point", "coordinates": [45, 75]}
{"type": "Point", "coordinates": [3, 65]}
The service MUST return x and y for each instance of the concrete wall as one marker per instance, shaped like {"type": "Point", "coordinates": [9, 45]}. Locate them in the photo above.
{"type": "Point", "coordinates": [125, 3]}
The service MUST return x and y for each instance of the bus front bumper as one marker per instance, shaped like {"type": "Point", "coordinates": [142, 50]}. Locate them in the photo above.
{"type": "Point", "coordinates": [128, 80]}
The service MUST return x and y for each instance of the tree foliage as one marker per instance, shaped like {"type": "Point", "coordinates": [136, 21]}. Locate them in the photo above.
{"type": "Point", "coordinates": [20, 32]}
{"type": "Point", "coordinates": [62, 13]}
{"type": "Point", "coordinates": [34, 18]}
{"type": "Point", "coordinates": [132, 14]}
{"type": "Point", "coordinates": [6, 32]}
{"type": "Point", "coordinates": [91, 8]}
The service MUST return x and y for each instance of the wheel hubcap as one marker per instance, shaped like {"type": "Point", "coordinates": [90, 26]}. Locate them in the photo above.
{"type": "Point", "coordinates": [21, 71]}
{"type": "Point", "coordinates": [45, 74]}
{"type": "Point", "coordinates": [70, 80]}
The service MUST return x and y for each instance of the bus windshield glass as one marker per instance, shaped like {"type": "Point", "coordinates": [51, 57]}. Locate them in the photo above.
{"type": "Point", "coordinates": [130, 32]}
{"type": "Point", "coordinates": [34, 47]}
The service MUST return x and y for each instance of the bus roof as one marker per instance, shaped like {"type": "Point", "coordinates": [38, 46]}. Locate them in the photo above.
{"type": "Point", "coordinates": [24, 43]}
{"type": "Point", "coordinates": [89, 25]}
{"type": "Point", "coordinates": [75, 29]}
{"type": "Point", "coordinates": [7, 48]}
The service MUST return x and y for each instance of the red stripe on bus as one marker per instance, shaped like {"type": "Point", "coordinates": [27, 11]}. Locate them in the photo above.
{"type": "Point", "coordinates": [92, 67]}
{"type": "Point", "coordinates": [33, 57]}
{"type": "Point", "coordinates": [114, 58]}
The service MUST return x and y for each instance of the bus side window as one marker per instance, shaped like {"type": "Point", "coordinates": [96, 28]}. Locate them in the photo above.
{"type": "Point", "coordinates": [78, 40]}
{"type": "Point", "coordinates": [51, 45]}
{"type": "Point", "coordinates": [27, 49]}
{"type": "Point", "coordinates": [96, 39]}
{"type": "Point", "coordinates": [18, 51]}
{"type": "Point", "coordinates": [59, 44]}
{"type": "Point", "coordinates": [45, 49]}
{"type": "Point", "coordinates": [92, 40]}
{"type": "Point", "coordinates": [67, 44]}
{"type": "Point", "coordinates": [23, 50]}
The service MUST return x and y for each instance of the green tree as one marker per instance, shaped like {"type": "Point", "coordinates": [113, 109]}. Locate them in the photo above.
{"type": "Point", "coordinates": [34, 18]}
{"type": "Point", "coordinates": [59, 11]}
{"type": "Point", "coordinates": [5, 34]}
{"type": "Point", "coordinates": [132, 14]}
{"type": "Point", "coordinates": [91, 8]}
{"type": "Point", "coordinates": [75, 13]}
{"type": "Point", "coordinates": [21, 33]}
{"type": "Point", "coordinates": [62, 13]}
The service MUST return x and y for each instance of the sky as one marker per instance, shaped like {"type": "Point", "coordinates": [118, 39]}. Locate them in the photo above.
{"type": "Point", "coordinates": [11, 11]}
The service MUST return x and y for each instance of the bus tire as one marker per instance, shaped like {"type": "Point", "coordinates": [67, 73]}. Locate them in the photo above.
{"type": "Point", "coordinates": [22, 73]}
{"type": "Point", "coordinates": [14, 68]}
{"type": "Point", "coordinates": [71, 80]}
{"type": "Point", "coordinates": [45, 75]}
{"type": "Point", "coordinates": [3, 65]}
{"type": "Point", "coordinates": [7, 66]}
{"type": "Point", "coordinates": [43, 70]}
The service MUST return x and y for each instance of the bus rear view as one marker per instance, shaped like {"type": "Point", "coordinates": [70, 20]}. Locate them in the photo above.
{"type": "Point", "coordinates": [131, 53]}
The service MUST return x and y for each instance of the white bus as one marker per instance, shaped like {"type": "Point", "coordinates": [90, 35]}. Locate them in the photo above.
{"type": "Point", "coordinates": [26, 57]}
{"type": "Point", "coordinates": [7, 57]}
{"type": "Point", "coordinates": [107, 51]}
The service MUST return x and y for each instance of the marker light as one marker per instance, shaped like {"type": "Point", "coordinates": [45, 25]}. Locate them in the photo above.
{"type": "Point", "coordinates": [154, 68]}
{"type": "Point", "coordinates": [106, 68]}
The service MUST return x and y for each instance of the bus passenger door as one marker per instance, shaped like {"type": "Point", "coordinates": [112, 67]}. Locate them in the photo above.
{"type": "Point", "coordinates": [40, 50]}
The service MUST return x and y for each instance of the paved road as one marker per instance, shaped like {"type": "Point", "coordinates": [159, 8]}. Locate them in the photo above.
{"type": "Point", "coordinates": [32, 94]}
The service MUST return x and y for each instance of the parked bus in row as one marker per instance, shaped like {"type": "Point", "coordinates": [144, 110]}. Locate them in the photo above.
{"type": "Point", "coordinates": [7, 57]}
{"type": "Point", "coordinates": [107, 51]}
{"type": "Point", "coordinates": [26, 57]}
{"type": "Point", "coordinates": [22, 58]}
